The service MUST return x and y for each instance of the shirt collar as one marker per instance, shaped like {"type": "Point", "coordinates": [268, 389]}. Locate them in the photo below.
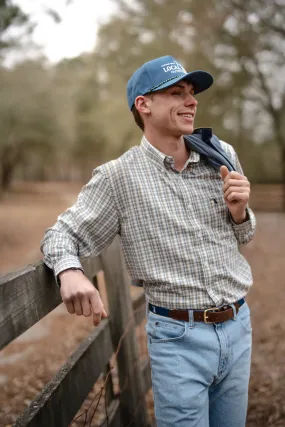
{"type": "Point", "coordinates": [161, 159]}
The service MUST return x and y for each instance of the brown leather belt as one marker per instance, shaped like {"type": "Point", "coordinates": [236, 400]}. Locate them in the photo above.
{"type": "Point", "coordinates": [210, 315]}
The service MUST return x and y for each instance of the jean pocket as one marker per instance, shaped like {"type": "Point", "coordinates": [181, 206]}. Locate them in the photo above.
{"type": "Point", "coordinates": [163, 331]}
{"type": "Point", "coordinates": [244, 317]}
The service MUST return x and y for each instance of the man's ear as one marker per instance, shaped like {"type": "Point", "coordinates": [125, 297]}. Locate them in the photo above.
{"type": "Point", "coordinates": [142, 104]}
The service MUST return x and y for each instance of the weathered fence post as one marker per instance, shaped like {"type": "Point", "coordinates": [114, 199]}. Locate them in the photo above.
{"type": "Point", "coordinates": [132, 399]}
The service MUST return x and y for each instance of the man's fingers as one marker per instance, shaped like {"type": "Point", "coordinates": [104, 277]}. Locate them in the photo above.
{"type": "Point", "coordinates": [96, 305]}
{"type": "Point", "coordinates": [82, 306]}
{"type": "Point", "coordinates": [231, 175]}
{"type": "Point", "coordinates": [97, 318]}
{"type": "Point", "coordinates": [70, 307]}
{"type": "Point", "coordinates": [77, 306]}
{"type": "Point", "coordinates": [224, 172]}
{"type": "Point", "coordinates": [236, 183]}
{"type": "Point", "coordinates": [103, 315]}
{"type": "Point", "coordinates": [238, 197]}
{"type": "Point", "coordinates": [86, 308]}
{"type": "Point", "coordinates": [239, 190]}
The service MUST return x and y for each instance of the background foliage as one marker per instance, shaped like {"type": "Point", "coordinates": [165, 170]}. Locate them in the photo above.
{"type": "Point", "coordinates": [59, 122]}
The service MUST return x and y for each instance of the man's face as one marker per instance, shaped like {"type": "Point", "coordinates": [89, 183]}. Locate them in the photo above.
{"type": "Point", "coordinates": [172, 110]}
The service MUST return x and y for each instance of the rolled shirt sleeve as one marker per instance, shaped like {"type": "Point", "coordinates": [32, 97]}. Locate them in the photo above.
{"type": "Point", "coordinates": [244, 232]}
{"type": "Point", "coordinates": [84, 229]}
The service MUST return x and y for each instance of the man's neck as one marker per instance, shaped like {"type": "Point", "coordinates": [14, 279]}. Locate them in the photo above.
{"type": "Point", "coordinates": [173, 146]}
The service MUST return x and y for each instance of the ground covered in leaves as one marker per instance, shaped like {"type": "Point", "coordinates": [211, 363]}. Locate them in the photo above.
{"type": "Point", "coordinates": [31, 360]}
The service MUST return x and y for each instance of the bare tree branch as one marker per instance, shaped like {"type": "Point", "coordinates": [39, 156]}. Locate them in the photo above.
{"type": "Point", "coordinates": [264, 85]}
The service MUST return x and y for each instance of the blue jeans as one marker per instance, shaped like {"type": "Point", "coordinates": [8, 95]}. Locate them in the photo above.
{"type": "Point", "coordinates": [200, 372]}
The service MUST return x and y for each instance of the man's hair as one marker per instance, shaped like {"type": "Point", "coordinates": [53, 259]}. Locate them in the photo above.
{"type": "Point", "coordinates": [138, 118]}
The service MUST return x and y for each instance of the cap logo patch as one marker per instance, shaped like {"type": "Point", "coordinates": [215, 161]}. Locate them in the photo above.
{"type": "Point", "coordinates": [173, 67]}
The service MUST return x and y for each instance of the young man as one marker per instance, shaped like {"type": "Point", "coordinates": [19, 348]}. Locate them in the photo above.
{"type": "Point", "coordinates": [181, 221]}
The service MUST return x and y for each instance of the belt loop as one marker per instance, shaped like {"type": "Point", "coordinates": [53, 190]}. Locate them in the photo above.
{"type": "Point", "coordinates": [191, 319]}
{"type": "Point", "coordinates": [235, 311]}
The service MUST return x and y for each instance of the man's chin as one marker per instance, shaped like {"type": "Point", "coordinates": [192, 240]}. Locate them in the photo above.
{"type": "Point", "coordinates": [187, 130]}
{"type": "Point", "coordinates": [183, 130]}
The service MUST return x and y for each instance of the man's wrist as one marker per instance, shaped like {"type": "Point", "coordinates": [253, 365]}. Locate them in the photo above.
{"type": "Point", "coordinates": [62, 273]}
{"type": "Point", "coordinates": [239, 219]}
{"type": "Point", "coordinates": [70, 269]}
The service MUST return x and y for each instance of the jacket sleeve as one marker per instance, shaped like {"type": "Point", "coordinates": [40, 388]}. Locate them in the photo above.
{"type": "Point", "coordinates": [84, 229]}
{"type": "Point", "coordinates": [245, 231]}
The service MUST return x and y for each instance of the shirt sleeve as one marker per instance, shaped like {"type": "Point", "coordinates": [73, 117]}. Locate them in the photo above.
{"type": "Point", "coordinates": [84, 229]}
{"type": "Point", "coordinates": [245, 231]}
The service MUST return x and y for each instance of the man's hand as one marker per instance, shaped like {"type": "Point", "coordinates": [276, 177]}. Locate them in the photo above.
{"type": "Point", "coordinates": [80, 296]}
{"type": "Point", "coordinates": [236, 193]}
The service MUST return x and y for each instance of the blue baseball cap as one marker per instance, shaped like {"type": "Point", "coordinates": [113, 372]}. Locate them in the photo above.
{"type": "Point", "coordinates": [161, 73]}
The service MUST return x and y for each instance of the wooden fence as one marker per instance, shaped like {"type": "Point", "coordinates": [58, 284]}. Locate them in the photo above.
{"type": "Point", "coordinates": [30, 294]}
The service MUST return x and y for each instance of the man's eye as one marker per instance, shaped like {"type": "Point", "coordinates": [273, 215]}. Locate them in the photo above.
{"type": "Point", "coordinates": [177, 93]}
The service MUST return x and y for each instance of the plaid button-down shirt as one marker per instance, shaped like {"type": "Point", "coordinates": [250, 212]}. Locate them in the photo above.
{"type": "Point", "coordinates": [176, 232]}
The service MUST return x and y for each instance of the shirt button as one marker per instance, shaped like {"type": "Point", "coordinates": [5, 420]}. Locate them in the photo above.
{"type": "Point", "coordinates": [167, 162]}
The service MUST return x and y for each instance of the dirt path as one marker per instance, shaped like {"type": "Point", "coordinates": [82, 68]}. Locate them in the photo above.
{"type": "Point", "coordinates": [266, 255]}
{"type": "Point", "coordinates": [24, 215]}
{"type": "Point", "coordinates": [31, 360]}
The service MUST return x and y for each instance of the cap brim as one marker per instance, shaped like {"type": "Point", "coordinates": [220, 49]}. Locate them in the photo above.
{"type": "Point", "coordinates": [201, 81]}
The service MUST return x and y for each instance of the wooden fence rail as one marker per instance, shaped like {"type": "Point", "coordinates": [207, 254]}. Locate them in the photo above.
{"type": "Point", "coordinates": [30, 294]}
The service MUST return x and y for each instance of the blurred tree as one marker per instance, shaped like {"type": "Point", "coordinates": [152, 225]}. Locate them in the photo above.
{"type": "Point", "coordinates": [204, 34]}
{"type": "Point", "coordinates": [11, 16]}
{"type": "Point", "coordinates": [255, 35]}
{"type": "Point", "coordinates": [90, 145]}
{"type": "Point", "coordinates": [76, 111]}
{"type": "Point", "coordinates": [79, 107]}
{"type": "Point", "coordinates": [28, 123]}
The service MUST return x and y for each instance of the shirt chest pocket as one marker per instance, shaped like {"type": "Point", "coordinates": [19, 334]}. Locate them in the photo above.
{"type": "Point", "coordinates": [210, 211]}
{"type": "Point", "coordinates": [219, 211]}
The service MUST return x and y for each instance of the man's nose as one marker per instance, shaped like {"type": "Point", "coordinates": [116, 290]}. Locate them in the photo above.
{"type": "Point", "coordinates": [191, 100]}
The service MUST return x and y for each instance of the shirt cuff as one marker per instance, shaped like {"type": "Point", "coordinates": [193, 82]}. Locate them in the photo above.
{"type": "Point", "coordinates": [245, 230]}
{"type": "Point", "coordinates": [70, 262]}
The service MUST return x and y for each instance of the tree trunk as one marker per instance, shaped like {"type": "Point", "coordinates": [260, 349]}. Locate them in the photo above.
{"type": "Point", "coordinates": [10, 159]}
{"type": "Point", "coordinates": [6, 176]}
{"type": "Point", "coordinates": [283, 172]}
{"type": "Point", "coordinates": [281, 142]}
